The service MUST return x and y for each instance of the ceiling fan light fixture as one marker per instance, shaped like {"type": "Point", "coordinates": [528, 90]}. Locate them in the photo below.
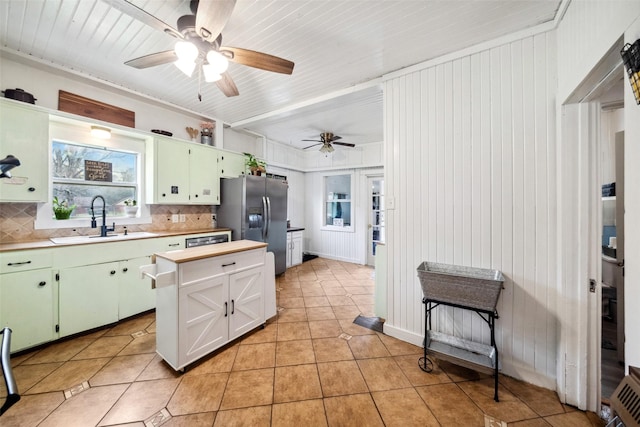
{"type": "Point", "coordinates": [186, 67]}
{"type": "Point", "coordinates": [327, 148]}
{"type": "Point", "coordinates": [186, 51]}
{"type": "Point", "coordinates": [210, 74]}
{"type": "Point", "coordinates": [217, 61]}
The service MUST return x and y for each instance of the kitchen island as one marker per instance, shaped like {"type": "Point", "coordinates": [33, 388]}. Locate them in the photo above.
{"type": "Point", "coordinates": [210, 295]}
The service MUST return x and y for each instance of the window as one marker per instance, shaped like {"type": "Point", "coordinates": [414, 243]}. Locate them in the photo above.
{"type": "Point", "coordinates": [82, 167]}
{"type": "Point", "coordinates": [80, 173]}
{"type": "Point", "coordinates": [338, 211]}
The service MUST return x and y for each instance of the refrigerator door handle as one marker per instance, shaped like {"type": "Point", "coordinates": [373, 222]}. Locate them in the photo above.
{"type": "Point", "coordinates": [265, 218]}
{"type": "Point", "coordinates": [268, 215]}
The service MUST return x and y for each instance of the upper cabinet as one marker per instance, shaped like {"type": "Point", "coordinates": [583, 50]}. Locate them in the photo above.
{"type": "Point", "coordinates": [231, 165]}
{"type": "Point", "coordinates": [181, 173]}
{"type": "Point", "coordinates": [24, 133]}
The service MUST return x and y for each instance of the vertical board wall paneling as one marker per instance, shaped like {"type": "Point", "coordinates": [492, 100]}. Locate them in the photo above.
{"type": "Point", "coordinates": [481, 129]}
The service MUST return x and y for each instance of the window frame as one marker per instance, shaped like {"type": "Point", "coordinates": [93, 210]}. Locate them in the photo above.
{"type": "Point", "coordinates": [352, 203]}
{"type": "Point", "coordinates": [78, 133]}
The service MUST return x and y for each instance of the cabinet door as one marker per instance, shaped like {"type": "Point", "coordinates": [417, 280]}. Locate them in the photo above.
{"type": "Point", "coordinates": [296, 248]}
{"type": "Point", "coordinates": [135, 294]}
{"type": "Point", "coordinates": [204, 183]}
{"type": "Point", "coordinates": [246, 294]}
{"type": "Point", "coordinates": [202, 318]}
{"type": "Point", "coordinates": [27, 307]}
{"type": "Point", "coordinates": [171, 176]}
{"type": "Point", "coordinates": [289, 249]}
{"type": "Point", "coordinates": [231, 165]}
{"type": "Point", "coordinates": [88, 297]}
{"type": "Point", "coordinates": [24, 133]}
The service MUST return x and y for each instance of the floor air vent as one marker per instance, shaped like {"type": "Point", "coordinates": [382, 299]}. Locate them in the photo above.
{"type": "Point", "coordinates": [625, 401]}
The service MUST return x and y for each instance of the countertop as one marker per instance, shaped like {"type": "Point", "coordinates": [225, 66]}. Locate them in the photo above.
{"type": "Point", "coordinates": [42, 244]}
{"type": "Point", "coordinates": [202, 252]}
{"type": "Point", "coordinates": [291, 229]}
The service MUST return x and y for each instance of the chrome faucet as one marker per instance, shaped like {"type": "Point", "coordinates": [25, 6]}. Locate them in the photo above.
{"type": "Point", "coordinates": [103, 228]}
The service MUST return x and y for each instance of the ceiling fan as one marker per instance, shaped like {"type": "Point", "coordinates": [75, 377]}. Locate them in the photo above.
{"type": "Point", "coordinates": [327, 139]}
{"type": "Point", "coordinates": [200, 44]}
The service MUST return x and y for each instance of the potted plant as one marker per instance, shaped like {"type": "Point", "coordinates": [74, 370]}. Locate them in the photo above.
{"type": "Point", "coordinates": [255, 165]}
{"type": "Point", "coordinates": [206, 133]}
{"type": "Point", "coordinates": [61, 209]}
{"type": "Point", "coordinates": [131, 208]}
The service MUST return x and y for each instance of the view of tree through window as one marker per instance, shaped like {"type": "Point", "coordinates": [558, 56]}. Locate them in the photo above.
{"type": "Point", "coordinates": [73, 182]}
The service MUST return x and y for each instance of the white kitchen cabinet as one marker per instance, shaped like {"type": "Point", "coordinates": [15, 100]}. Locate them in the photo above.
{"type": "Point", "coordinates": [204, 182]}
{"type": "Point", "coordinates": [231, 165]}
{"type": "Point", "coordinates": [294, 248]}
{"type": "Point", "coordinates": [135, 294]}
{"type": "Point", "coordinates": [206, 297]}
{"type": "Point", "coordinates": [181, 173]}
{"type": "Point", "coordinates": [88, 297]}
{"type": "Point", "coordinates": [27, 293]}
{"type": "Point", "coordinates": [24, 133]}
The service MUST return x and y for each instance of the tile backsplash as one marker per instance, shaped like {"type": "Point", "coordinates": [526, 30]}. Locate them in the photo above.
{"type": "Point", "coordinates": [17, 222]}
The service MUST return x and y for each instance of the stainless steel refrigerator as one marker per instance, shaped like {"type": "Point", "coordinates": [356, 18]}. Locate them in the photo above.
{"type": "Point", "coordinates": [255, 208]}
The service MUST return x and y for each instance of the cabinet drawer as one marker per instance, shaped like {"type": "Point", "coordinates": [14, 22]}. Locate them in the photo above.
{"type": "Point", "coordinates": [296, 234]}
{"type": "Point", "coordinates": [11, 262]}
{"type": "Point", "coordinates": [224, 264]}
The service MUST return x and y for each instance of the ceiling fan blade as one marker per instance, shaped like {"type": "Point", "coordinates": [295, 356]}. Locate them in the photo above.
{"type": "Point", "coordinates": [146, 18]}
{"type": "Point", "coordinates": [260, 60]}
{"type": "Point", "coordinates": [346, 144]}
{"type": "Point", "coordinates": [212, 16]}
{"type": "Point", "coordinates": [311, 140]}
{"type": "Point", "coordinates": [311, 146]}
{"type": "Point", "coordinates": [336, 137]}
{"type": "Point", "coordinates": [153, 59]}
{"type": "Point", "coordinates": [227, 86]}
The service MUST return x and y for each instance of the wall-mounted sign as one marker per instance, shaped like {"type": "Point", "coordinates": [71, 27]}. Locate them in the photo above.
{"type": "Point", "coordinates": [97, 171]}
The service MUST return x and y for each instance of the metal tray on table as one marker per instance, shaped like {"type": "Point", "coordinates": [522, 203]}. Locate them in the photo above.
{"type": "Point", "coordinates": [468, 287]}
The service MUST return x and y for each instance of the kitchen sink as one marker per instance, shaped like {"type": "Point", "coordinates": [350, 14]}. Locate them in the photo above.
{"type": "Point", "coordinates": [97, 239]}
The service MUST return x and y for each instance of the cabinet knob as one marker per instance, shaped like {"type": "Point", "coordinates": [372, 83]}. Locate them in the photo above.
{"type": "Point", "coordinates": [41, 284]}
{"type": "Point", "coordinates": [196, 195]}
{"type": "Point", "coordinates": [113, 272]}
{"type": "Point", "coordinates": [124, 270]}
{"type": "Point", "coordinates": [31, 189]}
{"type": "Point", "coordinates": [164, 194]}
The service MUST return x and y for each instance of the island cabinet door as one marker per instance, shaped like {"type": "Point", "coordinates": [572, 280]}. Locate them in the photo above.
{"type": "Point", "coordinates": [203, 313]}
{"type": "Point", "coordinates": [246, 294]}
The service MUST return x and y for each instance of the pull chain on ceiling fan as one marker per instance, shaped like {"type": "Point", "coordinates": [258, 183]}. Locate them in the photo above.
{"type": "Point", "coordinates": [200, 44]}
{"type": "Point", "coordinates": [327, 139]}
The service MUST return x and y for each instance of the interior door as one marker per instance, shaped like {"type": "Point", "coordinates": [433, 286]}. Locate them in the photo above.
{"type": "Point", "coordinates": [619, 269]}
{"type": "Point", "coordinates": [375, 227]}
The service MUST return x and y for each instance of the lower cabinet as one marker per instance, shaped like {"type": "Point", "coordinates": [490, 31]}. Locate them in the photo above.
{"type": "Point", "coordinates": [88, 297]}
{"type": "Point", "coordinates": [135, 294]}
{"type": "Point", "coordinates": [294, 248]}
{"type": "Point", "coordinates": [27, 307]}
{"type": "Point", "coordinates": [207, 305]}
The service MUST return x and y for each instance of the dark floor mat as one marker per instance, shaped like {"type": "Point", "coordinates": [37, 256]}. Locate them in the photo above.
{"type": "Point", "coordinates": [308, 257]}
{"type": "Point", "coordinates": [373, 323]}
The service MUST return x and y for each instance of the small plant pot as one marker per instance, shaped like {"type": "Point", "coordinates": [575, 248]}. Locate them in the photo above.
{"type": "Point", "coordinates": [62, 215]}
{"type": "Point", "coordinates": [131, 211]}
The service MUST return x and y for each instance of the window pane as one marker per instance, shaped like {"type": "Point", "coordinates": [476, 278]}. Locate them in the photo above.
{"type": "Point", "coordinates": [81, 196]}
{"type": "Point", "coordinates": [69, 160]}
{"type": "Point", "coordinates": [338, 200]}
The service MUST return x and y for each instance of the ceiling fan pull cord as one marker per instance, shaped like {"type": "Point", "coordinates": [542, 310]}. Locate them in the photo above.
{"type": "Point", "coordinates": [199, 83]}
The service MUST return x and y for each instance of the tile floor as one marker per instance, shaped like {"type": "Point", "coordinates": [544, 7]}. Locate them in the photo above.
{"type": "Point", "coordinates": [312, 365]}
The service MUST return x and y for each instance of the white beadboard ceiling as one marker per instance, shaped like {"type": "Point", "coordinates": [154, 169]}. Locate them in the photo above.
{"type": "Point", "coordinates": [336, 45]}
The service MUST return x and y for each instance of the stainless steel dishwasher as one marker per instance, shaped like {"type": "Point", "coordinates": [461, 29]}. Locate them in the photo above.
{"type": "Point", "coordinates": [192, 242]}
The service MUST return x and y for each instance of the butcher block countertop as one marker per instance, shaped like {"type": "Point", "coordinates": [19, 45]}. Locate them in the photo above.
{"type": "Point", "coordinates": [208, 251]}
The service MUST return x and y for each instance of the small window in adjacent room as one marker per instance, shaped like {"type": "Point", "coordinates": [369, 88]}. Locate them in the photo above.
{"type": "Point", "coordinates": [338, 209]}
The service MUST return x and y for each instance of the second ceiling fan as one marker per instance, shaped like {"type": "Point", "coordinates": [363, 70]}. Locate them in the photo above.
{"type": "Point", "coordinates": [200, 44]}
{"type": "Point", "coordinates": [326, 140]}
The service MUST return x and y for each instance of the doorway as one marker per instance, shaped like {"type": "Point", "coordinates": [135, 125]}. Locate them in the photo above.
{"type": "Point", "coordinates": [612, 319]}
{"type": "Point", "coordinates": [375, 227]}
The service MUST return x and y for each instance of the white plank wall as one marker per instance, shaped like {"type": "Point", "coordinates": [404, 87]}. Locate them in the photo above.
{"type": "Point", "coordinates": [470, 161]}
